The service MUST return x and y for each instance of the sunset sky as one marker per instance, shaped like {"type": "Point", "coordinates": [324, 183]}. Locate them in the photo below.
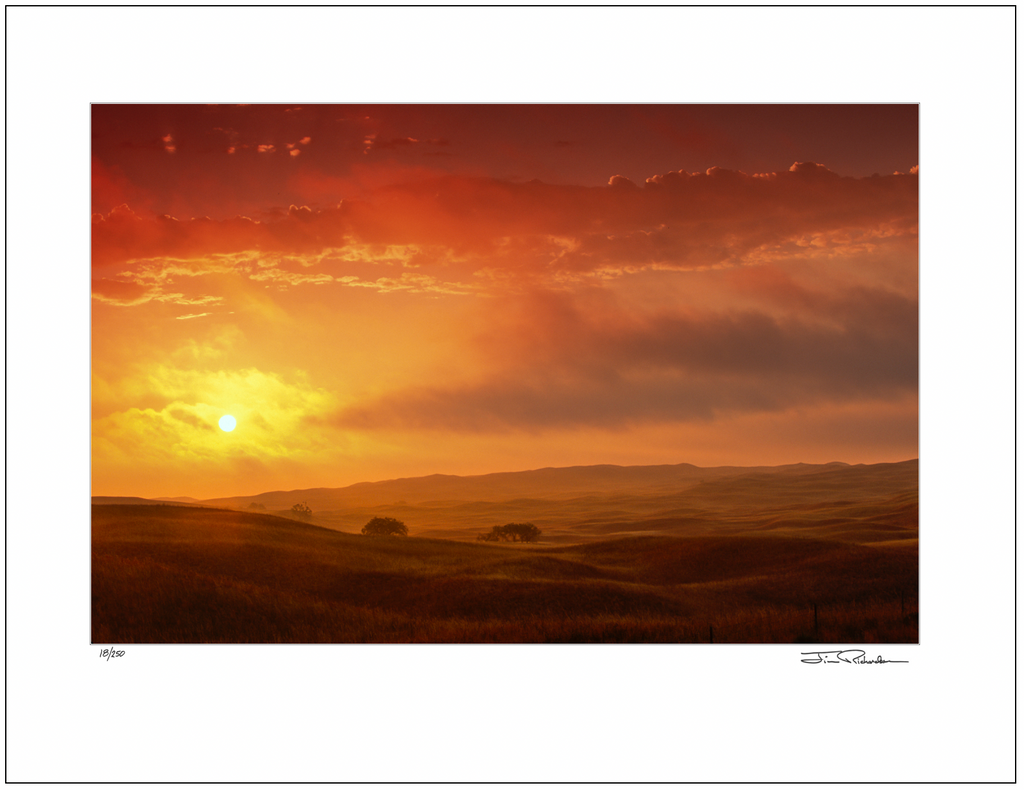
{"type": "Point", "coordinates": [390, 291]}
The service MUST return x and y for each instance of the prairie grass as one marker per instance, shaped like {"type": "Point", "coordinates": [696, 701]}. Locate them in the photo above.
{"type": "Point", "coordinates": [163, 575]}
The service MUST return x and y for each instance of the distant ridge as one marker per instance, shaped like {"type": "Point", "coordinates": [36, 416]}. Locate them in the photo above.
{"type": "Point", "coordinates": [548, 483]}
{"type": "Point", "coordinates": [135, 500]}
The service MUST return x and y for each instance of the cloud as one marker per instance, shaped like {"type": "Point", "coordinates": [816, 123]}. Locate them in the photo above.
{"type": "Point", "coordinates": [213, 348]}
{"type": "Point", "coordinates": [291, 278]}
{"type": "Point", "coordinates": [662, 384]}
{"type": "Point", "coordinates": [620, 182]}
{"type": "Point", "coordinates": [811, 170]}
{"type": "Point", "coordinates": [120, 293]}
{"type": "Point", "coordinates": [122, 214]}
{"type": "Point", "coordinates": [137, 291]}
{"type": "Point", "coordinates": [182, 299]}
{"type": "Point", "coordinates": [414, 283]}
{"type": "Point", "coordinates": [165, 270]}
{"type": "Point", "coordinates": [561, 361]}
{"type": "Point", "coordinates": [122, 236]}
{"type": "Point", "coordinates": [149, 279]}
{"type": "Point", "coordinates": [528, 235]}
{"type": "Point", "coordinates": [293, 148]}
{"type": "Point", "coordinates": [395, 142]}
{"type": "Point", "coordinates": [110, 187]}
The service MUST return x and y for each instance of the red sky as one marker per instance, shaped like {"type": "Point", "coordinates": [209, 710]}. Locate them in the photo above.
{"type": "Point", "coordinates": [387, 291]}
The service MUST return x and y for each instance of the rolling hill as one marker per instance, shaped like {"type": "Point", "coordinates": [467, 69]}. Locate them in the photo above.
{"type": "Point", "coordinates": [856, 503]}
{"type": "Point", "coordinates": [200, 575]}
{"type": "Point", "coordinates": [551, 483]}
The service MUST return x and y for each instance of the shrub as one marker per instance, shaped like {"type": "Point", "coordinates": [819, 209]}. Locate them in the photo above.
{"type": "Point", "coordinates": [525, 533]}
{"type": "Point", "coordinates": [385, 525]}
{"type": "Point", "coordinates": [302, 510]}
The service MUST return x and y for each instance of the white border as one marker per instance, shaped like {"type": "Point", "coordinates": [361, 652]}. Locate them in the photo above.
{"type": "Point", "coordinates": [632, 713]}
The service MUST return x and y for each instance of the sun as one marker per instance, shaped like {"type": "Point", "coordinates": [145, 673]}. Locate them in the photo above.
{"type": "Point", "coordinates": [227, 423]}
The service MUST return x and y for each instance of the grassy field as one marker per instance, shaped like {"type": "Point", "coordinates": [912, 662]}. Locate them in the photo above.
{"type": "Point", "coordinates": [859, 504]}
{"type": "Point", "coordinates": [183, 574]}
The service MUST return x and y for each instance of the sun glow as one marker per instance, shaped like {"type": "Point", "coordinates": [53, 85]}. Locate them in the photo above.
{"type": "Point", "coordinates": [227, 423]}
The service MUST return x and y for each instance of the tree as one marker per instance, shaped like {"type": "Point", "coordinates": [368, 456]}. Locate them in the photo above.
{"type": "Point", "coordinates": [257, 506]}
{"type": "Point", "coordinates": [302, 510]}
{"type": "Point", "coordinates": [385, 525]}
{"type": "Point", "coordinates": [525, 533]}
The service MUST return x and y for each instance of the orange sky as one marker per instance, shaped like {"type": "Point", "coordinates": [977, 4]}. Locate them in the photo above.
{"type": "Point", "coordinates": [389, 291]}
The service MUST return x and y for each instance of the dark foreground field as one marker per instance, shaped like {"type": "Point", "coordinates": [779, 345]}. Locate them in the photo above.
{"type": "Point", "coordinates": [182, 574]}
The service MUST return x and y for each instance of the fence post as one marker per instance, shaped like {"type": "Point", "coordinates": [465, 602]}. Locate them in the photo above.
{"type": "Point", "coordinates": [815, 617]}
{"type": "Point", "coordinates": [711, 633]}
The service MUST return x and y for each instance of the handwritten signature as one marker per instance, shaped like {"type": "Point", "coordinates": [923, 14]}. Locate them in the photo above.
{"type": "Point", "coordinates": [109, 653]}
{"type": "Point", "coordinates": [845, 657]}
